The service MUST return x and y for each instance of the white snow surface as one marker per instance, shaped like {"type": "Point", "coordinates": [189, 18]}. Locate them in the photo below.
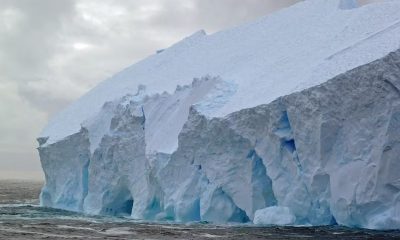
{"type": "Point", "coordinates": [291, 50]}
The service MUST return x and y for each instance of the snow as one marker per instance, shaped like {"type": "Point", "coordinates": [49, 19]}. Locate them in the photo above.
{"type": "Point", "coordinates": [348, 4]}
{"type": "Point", "coordinates": [279, 121]}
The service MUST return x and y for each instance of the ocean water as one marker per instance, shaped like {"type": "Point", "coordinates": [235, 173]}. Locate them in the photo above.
{"type": "Point", "coordinates": [21, 217]}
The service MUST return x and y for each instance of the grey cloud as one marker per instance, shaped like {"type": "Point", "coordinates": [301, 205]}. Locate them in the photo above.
{"type": "Point", "coordinates": [33, 40]}
{"type": "Point", "coordinates": [42, 100]}
{"type": "Point", "coordinates": [178, 16]}
{"type": "Point", "coordinates": [218, 14]}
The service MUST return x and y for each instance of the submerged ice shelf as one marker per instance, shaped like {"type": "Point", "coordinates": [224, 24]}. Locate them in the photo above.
{"type": "Point", "coordinates": [271, 125]}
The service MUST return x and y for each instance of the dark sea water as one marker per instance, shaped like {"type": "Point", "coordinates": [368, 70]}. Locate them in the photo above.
{"type": "Point", "coordinates": [22, 218]}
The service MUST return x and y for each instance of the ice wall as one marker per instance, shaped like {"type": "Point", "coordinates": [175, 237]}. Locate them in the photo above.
{"type": "Point", "coordinates": [325, 155]}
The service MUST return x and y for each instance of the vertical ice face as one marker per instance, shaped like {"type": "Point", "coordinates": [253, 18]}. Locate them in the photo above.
{"type": "Point", "coordinates": [263, 133]}
{"type": "Point", "coordinates": [66, 188]}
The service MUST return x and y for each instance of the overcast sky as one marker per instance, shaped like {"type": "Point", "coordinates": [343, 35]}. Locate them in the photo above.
{"type": "Point", "coordinates": [53, 51]}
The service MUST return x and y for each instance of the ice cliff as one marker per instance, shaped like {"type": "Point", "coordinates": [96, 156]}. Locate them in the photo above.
{"type": "Point", "coordinates": [292, 119]}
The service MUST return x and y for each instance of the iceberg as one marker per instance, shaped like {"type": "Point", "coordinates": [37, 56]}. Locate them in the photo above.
{"type": "Point", "coordinates": [293, 119]}
{"type": "Point", "coordinates": [274, 216]}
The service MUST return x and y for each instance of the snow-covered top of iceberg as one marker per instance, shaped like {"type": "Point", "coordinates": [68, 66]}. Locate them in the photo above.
{"type": "Point", "coordinates": [293, 49]}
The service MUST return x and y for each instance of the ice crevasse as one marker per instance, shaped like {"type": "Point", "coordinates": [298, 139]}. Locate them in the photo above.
{"type": "Point", "coordinates": [293, 119]}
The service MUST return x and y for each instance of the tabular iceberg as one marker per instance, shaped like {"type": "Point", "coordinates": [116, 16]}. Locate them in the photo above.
{"type": "Point", "coordinates": [292, 119]}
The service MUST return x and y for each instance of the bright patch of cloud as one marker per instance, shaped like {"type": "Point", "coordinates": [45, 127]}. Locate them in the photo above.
{"type": "Point", "coordinates": [9, 18]}
{"type": "Point", "coordinates": [81, 46]}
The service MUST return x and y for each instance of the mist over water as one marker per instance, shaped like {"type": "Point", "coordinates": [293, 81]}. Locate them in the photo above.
{"type": "Point", "coordinates": [21, 217]}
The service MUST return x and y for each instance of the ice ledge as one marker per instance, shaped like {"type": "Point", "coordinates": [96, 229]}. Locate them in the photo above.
{"type": "Point", "coordinates": [164, 114]}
